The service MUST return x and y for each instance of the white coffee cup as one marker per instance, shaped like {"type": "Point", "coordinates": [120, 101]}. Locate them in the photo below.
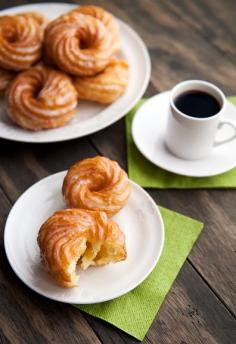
{"type": "Point", "coordinates": [193, 138]}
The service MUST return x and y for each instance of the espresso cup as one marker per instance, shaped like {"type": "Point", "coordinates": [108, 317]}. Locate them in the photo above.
{"type": "Point", "coordinates": [193, 138]}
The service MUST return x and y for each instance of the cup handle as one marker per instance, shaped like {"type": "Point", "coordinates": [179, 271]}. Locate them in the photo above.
{"type": "Point", "coordinates": [232, 137]}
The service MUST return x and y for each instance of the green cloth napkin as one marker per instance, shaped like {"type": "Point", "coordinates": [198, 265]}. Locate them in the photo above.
{"type": "Point", "coordinates": [135, 311]}
{"type": "Point", "coordinates": [148, 175]}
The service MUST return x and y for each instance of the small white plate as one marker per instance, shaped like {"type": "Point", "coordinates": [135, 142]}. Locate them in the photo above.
{"type": "Point", "coordinates": [148, 131]}
{"type": "Point", "coordinates": [140, 220]}
{"type": "Point", "coordinates": [90, 117]}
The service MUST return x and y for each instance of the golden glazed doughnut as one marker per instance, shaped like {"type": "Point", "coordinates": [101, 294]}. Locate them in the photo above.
{"type": "Point", "coordinates": [106, 86]}
{"type": "Point", "coordinates": [106, 18]}
{"type": "Point", "coordinates": [97, 184]}
{"type": "Point", "coordinates": [20, 42]}
{"type": "Point", "coordinates": [41, 98]}
{"type": "Point", "coordinates": [6, 77]}
{"type": "Point", "coordinates": [72, 237]}
{"type": "Point", "coordinates": [78, 44]}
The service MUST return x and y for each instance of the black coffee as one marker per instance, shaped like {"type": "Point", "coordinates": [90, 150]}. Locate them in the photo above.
{"type": "Point", "coordinates": [197, 104]}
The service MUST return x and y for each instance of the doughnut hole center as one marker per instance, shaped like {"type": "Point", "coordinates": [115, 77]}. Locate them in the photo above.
{"type": "Point", "coordinates": [86, 40]}
{"type": "Point", "coordinates": [97, 184]}
{"type": "Point", "coordinates": [37, 90]}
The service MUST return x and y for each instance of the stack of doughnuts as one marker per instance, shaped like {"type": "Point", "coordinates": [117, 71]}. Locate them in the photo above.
{"type": "Point", "coordinates": [47, 67]}
{"type": "Point", "coordinates": [84, 235]}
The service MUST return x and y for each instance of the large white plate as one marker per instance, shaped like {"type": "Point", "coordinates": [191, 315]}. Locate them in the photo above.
{"type": "Point", "coordinates": [140, 220]}
{"type": "Point", "coordinates": [90, 117]}
{"type": "Point", "coordinates": [148, 131]}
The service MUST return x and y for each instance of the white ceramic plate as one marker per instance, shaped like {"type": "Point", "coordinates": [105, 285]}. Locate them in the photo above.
{"type": "Point", "coordinates": [140, 220]}
{"type": "Point", "coordinates": [90, 117]}
{"type": "Point", "coordinates": [148, 131]}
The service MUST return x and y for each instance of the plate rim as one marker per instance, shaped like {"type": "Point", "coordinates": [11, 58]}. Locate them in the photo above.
{"type": "Point", "coordinates": [164, 167]}
{"type": "Point", "coordinates": [122, 113]}
{"type": "Point", "coordinates": [135, 285]}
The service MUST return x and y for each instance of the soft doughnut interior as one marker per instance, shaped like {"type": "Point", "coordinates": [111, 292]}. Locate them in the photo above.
{"type": "Point", "coordinates": [92, 254]}
{"type": "Point", "coordinates": [113, 248]}
{"type": "Point", "coordinates": [83, 258]}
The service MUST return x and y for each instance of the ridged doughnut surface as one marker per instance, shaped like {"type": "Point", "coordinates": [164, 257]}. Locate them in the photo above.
{"type": "Point", "coordinates": [97, 184]}
{"type": "Point", "coordinates": [72, 237]}
{"type": "Point", "coordinates": [106, 86]}
{"type": "Point", "coordinates": [20, 42]}
{"type": "Point", "coordinates": [40, 19]}
{"type": "Point", "coordinates": [106, 18]}
{"type": "Point", "coordinates": [41, 98]}
{"type": "Point", "coordinates": [78, 44]}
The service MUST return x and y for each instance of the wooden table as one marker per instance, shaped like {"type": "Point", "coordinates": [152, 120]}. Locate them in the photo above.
{"type": "Point", "coordinates": [186, 40]}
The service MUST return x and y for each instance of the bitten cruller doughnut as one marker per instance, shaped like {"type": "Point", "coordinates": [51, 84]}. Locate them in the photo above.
{"type": "Point", "coordinates": [77, 237]}
{"type": "Point", "coordinates": [106, 86]}
{"type": "Point", "coordinates": [97, 184]}
{"type": "Point", "coordinates": [78, 44]}
{"type": "Point", "coordinates": [41, 98]}
{"type": "Point", "coordinates": [21, 39]}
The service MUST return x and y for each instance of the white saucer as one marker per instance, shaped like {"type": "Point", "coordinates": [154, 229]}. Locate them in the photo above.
{"type": "Point", "coordinates": [90, 117]}
{"type": "Point", "coordinates": [140, 220]}
{"type": "Point", "coordinates": [148, 131]}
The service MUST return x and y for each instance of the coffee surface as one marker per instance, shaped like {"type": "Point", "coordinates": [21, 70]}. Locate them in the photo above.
{"type": "Point", "coordinates": [197, 104]}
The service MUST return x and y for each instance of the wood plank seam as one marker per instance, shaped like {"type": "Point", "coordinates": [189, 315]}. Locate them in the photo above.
{"type": "Point", "coordinates": [90, 140]}
{"type": "Point", "coordinates": [6, 195]}
{"type": "Point", "coordinates": [88, 318]}
{"type": "Point", "coordinates": [211, 288]}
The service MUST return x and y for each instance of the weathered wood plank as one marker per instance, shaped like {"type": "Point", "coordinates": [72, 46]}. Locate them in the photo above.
{"type": "Point", "coordinates": [177, 51]}
{"type": "Point", "coordinates": [214, 253]}
{"type": "Point", "coordinates": [192, 314]}
{"type": "Point", "coordinates": [218, 26]}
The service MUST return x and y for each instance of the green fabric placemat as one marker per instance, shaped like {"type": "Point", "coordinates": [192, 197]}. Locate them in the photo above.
{"type": "Point", "coordinates": [135, 311]}
{"type": "Point", "coordinates": [148, 175]}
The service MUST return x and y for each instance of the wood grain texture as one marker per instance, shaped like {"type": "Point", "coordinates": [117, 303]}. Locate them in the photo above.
{"type": "Point", "coordinates": [193, 319]}
{"type": "Point", "coordinates": [186, 40]}
{"type": "Point", "coordinates": [218, 27]}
